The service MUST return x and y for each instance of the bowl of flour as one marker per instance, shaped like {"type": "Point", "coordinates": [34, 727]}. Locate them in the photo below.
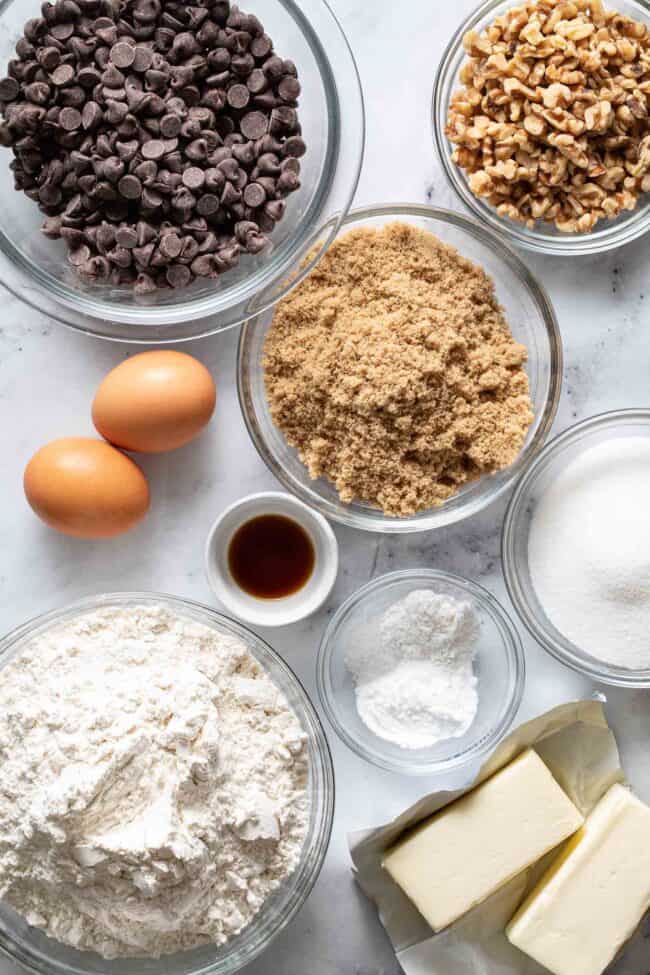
{"type": "Point", "coordinates": [421, 671]}
{"type": "Point", "coordinates": [167, 790]}
{"type": "Point", "coordinates": [576, 548]}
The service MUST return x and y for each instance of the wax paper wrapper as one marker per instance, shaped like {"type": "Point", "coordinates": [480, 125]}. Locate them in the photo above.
{"type": "Point", "coordinates": [578, 746]}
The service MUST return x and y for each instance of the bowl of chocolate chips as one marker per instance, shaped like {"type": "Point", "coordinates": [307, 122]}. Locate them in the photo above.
{"type": "Point", "coordinates": [170, 169]}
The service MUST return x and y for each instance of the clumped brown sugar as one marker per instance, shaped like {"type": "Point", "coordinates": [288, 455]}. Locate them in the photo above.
{"type": "Point", "coordinates": [392, 370]}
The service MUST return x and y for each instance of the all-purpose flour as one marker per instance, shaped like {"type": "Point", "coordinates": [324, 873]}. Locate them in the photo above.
{"type": "Point", "coordinates": [589, 551]}
{"type": "Point", "coordinates": [415, 685]}
{"type": "Point", "coordinates": [154, 785]}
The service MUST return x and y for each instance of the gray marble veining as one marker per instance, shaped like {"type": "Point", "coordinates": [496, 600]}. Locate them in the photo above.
{"type": "Point", "coordinates": [47, 378]}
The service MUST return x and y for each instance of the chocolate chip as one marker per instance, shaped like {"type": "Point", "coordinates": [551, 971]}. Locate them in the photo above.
{"type": "Point", "coordinates": [208, 204]}
{"type": "Point", "coordinates": [238, 96]}
{"type": "Point", "coordinates": [171, 245]}
{"type": "Point", "coordinates": [254, 125]}
{"type": "Point", "coordinates": [193, 178]}
{"type": "Point", "coordinates": [122, 55]}
{"type": "Point", "coordinates": [130, 187]}
{"type": "Point", "coordinates": [70, 119]}
{"type": "Point", "coordinates": [294, 146]}
{"type": "Point", "coordinates": [261, 46]}
{"type": "Point", "coordinates": [143, 58]}
{"type": "Point", "coordinates": [153, 149]}
{"type": "Point", "coordinates": [80, 255]}
{"type": "Point", "coordinates": [91, 115]}
{"type": "Point", "coordinates": [178, 275]}
{"type": "Point", "coordinates": [254, 195]}
{"type": "Point", "coordinates": [170, 126]}
{"type": "Point", "coordinates": [62, 75]}
{"type": "Point", "coordinates": [9, 89]}
{"type": "Point", "coordinates": [126, 237]}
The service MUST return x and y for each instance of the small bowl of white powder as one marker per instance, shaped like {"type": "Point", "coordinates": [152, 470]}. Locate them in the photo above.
{"type": "Point", "coordinates": [576, 548]}
{"type": "Point", "coordinates": [167, 791]}
{"type": "Point", "coordinates": [421, 671]}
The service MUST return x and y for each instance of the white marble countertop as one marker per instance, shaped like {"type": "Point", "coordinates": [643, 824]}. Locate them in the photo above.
{"type": "Point", "coordinates": [47, 378]}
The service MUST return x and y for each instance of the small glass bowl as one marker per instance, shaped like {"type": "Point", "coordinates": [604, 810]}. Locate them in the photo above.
{"type": "Point", "coordinates": [543, 238]}
{"type": "Point", "coordinates": [499, 666]}
{"type": "Point", "coordinates": [532, 320]}
{"type": "Point", "coordinates": [332, 115]}
{"type": "Point", "coordinates": [42, 955]}
{"type": "Point", "coordinates": [516, 530]}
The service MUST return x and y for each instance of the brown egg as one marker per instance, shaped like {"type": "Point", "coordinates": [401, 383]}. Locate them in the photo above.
{"type": "Point", "coordinates": [86, 488]}
{"type": "Point", "coordinates": [154, 401]}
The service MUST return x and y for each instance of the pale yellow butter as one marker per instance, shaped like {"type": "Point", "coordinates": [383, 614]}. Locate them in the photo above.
{"type": "Point", "coordinates": [468, 850]}
{"type": "Point", "coordinates": [594, 895]}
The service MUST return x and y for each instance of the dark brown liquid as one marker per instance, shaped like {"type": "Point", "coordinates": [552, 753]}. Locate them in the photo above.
{"type": "Point", "coordinates": [271, 556]}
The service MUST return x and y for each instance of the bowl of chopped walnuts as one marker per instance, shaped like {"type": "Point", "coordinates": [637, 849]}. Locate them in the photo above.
{"type": "Point", "coordinates": [541, 120]}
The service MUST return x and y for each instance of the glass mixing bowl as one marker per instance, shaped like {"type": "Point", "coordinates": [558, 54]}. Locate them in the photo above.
{"type": "Point", "coordinates": [332, 115]}
{"type": "Point", "coordinates": [543, 238]}
{"type": "Point", "coordinates": [532, 320]}
{"type": "Point", "coordinates": [516, 530]}
{"type": "Point", "coordinates": [40, 954]}
{"type": "Point", "coordinates": [499, 667]}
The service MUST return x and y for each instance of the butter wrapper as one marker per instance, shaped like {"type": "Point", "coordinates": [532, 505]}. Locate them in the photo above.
{"type": "Point", "coordinates": [578, 746]}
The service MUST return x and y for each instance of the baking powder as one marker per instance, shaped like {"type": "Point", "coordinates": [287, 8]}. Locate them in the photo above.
{"type": "Point", "coordinates": [154, 783]}
{"type": "Point", "coordinates": [414, 680]}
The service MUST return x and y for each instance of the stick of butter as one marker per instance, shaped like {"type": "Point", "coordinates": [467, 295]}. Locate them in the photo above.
{"type": "Point", "coordinates": [468, 850]}
{"type": "Point", "coordinates": [593, 896]}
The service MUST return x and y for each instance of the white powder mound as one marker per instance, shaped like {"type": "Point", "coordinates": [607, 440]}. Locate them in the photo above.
{"type": "Point", "coordinates": [154, 783]}
{"type": "Point", "coordinates": [589, 551]}
{"type": "Point", "coordinates": [415, 685]}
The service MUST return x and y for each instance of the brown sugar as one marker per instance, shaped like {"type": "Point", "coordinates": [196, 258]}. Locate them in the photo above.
{"type": "Point", "coordinates": [392, 370]}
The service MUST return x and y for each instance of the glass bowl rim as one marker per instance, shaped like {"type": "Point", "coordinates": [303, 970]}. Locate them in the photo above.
{"type": "Point", "coordinates": [231, 963]}
{"type": "Point", "coordinates": [443, 515]}
{"type": "Point", "coordinates": [511, 645]}
{"type": "Point", "coordinates": [611, 235]}
{"type": "Point", "coordinates": [92, 317]}
{"type": "Point", "coordinates": [563, 650]}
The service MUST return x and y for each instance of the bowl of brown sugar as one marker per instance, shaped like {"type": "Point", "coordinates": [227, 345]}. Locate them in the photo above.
{"type": "Point", "coordinates": [410, 378]}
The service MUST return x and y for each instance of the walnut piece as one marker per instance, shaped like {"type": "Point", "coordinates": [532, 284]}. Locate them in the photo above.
{"type": "Point", "coordinates": [552, 122]}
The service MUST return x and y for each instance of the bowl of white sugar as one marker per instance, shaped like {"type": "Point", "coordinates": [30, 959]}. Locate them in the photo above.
{"type": "Point", "coordinates": [167, 791]}
{"type": "Point", "coordinates": [576, 548]}
{"type": "Point", "coordinates": [421, 671]}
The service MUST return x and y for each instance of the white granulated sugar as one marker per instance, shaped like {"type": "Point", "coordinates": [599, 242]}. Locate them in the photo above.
{"type": "Point", "coordinates": [154, 783]}
{"type": "Point", "coordinates": [589, 551]}
{"type": "Point", "coordinates": [414, 680]}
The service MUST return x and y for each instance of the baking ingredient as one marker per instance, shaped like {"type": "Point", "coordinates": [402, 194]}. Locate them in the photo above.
{"type": "Point", "coordinates": [551, 123]}
{"type": "Point", "coordinates": [473, 846]}
{"type": "Point", "coordinates": [160, 139]}
{"type": "Point", "coordinates": [271, 556]}
{"type": "Point", "coordinates": [154, 401]}
{"type": "Point", "coordinates": [392, 370]}
{"type": "Point", "coordinates": [589, 551]}
{"type": "Point", "coordinates": [85, 487]}
{"type": "Point", "coordinates": [154, 783]}
{"type": "Point", "coordinates": [593, 897]}
{"type": "Point", "coordinates": [414, 679]}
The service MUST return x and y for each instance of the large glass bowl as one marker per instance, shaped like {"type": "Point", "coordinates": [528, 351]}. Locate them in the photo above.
{"type": "Point", "coordinates": [499, 667]}
{"type": "Point", "coordinates": [39, 953]}
{"type": "Point", "coordinates": [532, 321]}
{"type": "Point", "coordinates": [543, 238]}
{"type": "Point", "coordinates": [516, 531]}
{"type": "Point", "coordinates": [332, 115]}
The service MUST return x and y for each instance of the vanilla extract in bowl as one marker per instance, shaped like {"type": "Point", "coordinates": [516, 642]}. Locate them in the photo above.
{"type": "Point", "coordinates": [271, 556]}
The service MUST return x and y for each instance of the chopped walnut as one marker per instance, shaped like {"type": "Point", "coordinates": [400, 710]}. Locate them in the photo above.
{"type": "Point", "coordinates": [552, 122]}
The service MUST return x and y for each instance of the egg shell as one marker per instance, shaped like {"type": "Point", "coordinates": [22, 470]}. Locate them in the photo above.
{"type": "Point", "coordinates": [154, 401]}
{"type": "Point", "coordinates": [86, 488]}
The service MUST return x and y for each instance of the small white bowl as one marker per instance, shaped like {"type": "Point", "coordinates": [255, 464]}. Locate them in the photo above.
{"type": "Point", "coordinates": [286, 609]}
